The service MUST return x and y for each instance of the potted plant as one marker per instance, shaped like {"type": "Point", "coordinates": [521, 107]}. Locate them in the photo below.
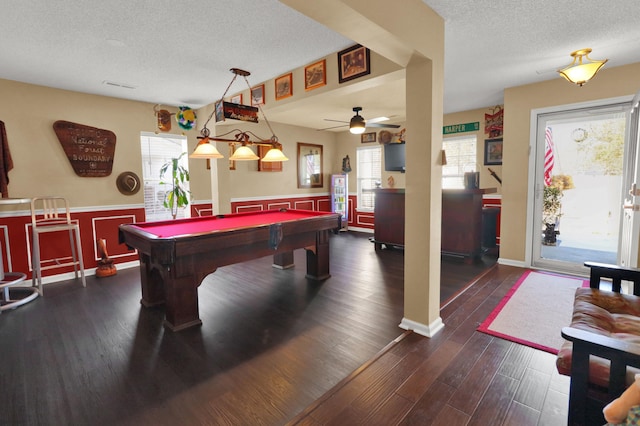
{"type": "Point", "coordinates": [551, 212]}
{"type": "Point", "coordinates": [177, 197]}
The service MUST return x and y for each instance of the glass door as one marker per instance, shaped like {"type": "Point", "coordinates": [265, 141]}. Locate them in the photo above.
{"type": "Point", "coordinates": [579, 186]}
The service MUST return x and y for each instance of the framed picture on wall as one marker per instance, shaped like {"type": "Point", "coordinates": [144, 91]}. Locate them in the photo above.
{"type": "Point", "coordinates": [353, 62]}
{"type": "Point", "coordinates": [284, 86]}
{"type": "Point", "coordinates": [368, 137]}
{"type": "Point", "coordinates": [310, 165]}
{"type": "Point", "coordinates": [257, 95]}
{"type": "Point", "coordinates": [232, 163]}
{"type": "Point", "coordinates": [493, 152]}
{"type": "Point", "coordinates": [315, 75]}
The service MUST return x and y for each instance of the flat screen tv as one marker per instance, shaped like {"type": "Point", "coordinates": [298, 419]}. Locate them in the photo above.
{"type": "Point", "coordinates": [394, 158]}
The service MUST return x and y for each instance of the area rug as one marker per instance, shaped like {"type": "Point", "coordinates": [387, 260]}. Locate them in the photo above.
{"type": "Point", "coordinates": [535, 310]}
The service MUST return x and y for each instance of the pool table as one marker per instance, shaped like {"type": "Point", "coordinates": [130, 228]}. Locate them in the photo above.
{"type": "Point", "coordinates": [176, 255]}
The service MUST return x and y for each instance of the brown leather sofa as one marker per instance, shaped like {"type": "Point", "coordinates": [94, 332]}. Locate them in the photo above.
{"type": "Point", "coordinates": [602, 351]}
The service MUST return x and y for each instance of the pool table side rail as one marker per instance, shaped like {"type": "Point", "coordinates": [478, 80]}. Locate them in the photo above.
{"type": "Point", "coordinates": [296, 234]}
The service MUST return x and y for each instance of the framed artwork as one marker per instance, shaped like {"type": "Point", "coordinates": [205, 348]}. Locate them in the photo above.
{"type": "Point", "coordinates": [257, 95]}
{"type": "Point", "coordinates": [232, 163]}
{"type": "Point", "coordinates": [493, 152]}
{"type": "Point", "coordinates": [284, 86]}
{"type": "Point", "coordinates": [315, 75]}
{"type": "Point", "coordinates": [237, 99]}
{"type": "Point", "coordinates": [368, 137]}
{"type": "Point", "coordinates": [269, 166]}
{"type": "Point", "coordinates": [353, 62]}
{"type": "Point", "coordinates": [309, 165]}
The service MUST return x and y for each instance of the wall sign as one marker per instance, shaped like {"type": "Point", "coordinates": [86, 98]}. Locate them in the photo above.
{"type": "Point", "coordinates": [461, 128]}
{"type": "Point", "coordinates": [235, 112]}
{"type": "Point", "coordinates": [90, 150]}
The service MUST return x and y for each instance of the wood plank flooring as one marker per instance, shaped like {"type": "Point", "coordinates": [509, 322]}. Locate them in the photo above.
{"type": "Point", "coordinates": [459, 377]}
{"type": "Point", "coordinates": [275, 348]}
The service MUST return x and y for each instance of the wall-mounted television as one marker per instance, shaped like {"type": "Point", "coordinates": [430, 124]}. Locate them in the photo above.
{"type": "Point", "coordinates": [394, 157]}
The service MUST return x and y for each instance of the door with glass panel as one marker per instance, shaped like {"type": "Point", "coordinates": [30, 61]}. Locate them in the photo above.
{"type": "Point", "coordinates": [584, 166]}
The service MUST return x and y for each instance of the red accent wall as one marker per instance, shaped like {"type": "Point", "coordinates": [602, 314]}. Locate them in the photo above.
{"type": "Point", "coordinates": [54, 247]}
{"type": "Point", "coordinates": [98, 224]}
{"type": "Point", "coordinates": [318, 203]}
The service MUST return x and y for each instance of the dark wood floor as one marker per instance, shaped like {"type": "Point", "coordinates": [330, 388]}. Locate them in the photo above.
{"type": "Point", "coordinates": [275, 348]}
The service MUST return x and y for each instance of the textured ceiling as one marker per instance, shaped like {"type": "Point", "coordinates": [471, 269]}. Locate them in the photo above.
{"type": "Point", "coordinates": [179, 53]}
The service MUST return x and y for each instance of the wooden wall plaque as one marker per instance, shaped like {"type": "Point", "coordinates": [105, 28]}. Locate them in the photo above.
{"type": "Point", "coordinates": [90, 150]}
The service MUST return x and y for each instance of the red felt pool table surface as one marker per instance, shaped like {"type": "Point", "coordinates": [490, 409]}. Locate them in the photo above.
{"type": "Point", "coordinates": [208, 224]}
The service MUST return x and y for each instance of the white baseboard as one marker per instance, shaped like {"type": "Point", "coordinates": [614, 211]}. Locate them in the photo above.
{"type": "Point", "coordinates": [511, 262]}
{"type": "Point", "coordinates": [70, 275]}
{"type": "Point", "coordinates": [422, 329]}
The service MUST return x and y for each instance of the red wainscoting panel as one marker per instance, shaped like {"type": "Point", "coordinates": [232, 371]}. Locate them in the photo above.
{"type": "Point", "coordinates": [103, 223]}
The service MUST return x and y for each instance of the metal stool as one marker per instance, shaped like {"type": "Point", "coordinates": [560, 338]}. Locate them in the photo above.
{"type": "Point", "coordinates": [51, 214]}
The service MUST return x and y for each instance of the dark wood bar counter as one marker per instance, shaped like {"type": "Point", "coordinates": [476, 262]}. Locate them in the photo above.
{"type": "Point", "coordinates": [461, 220]}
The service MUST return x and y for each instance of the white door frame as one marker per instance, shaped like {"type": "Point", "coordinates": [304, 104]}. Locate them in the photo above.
{"type": "Point", "coordinates": [628, 244]}
{"type": "Point", "coordinates": [532, 228]}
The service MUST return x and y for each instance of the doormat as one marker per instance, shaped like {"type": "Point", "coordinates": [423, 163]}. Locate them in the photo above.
{"type": "Point", "coordinates": [534, 311]}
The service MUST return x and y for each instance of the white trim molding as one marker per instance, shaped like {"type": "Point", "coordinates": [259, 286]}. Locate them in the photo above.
{"type": "Point", "coordinates": [422, 329]}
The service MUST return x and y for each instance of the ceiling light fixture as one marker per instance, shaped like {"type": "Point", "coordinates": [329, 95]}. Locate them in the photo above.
{"type": "Point", "coordinates": [357, 124]}
{"type": "Point", "coordinates": [206, 149]}
{"type": "Point", "coordinates": [582, 69]}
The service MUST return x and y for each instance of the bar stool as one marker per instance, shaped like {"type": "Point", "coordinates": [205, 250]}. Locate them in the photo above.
{"type": "Point", "coordinates": [9, 279]}
{"type": "Point", "coordinates": [51, 214]}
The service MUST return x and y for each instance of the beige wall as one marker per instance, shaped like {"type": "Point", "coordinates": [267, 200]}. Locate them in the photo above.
{"type": "Point", "coordinates": [347, 144]}
{"type": "Point", "coordinates": [40, 164]}
{"type": "Point", "coordinates": [486, 180]}
{"type": "Point", "coordinates": [518, 104]}
{"type": "Point", "coordinates": [246, 181]}
{"type": "Point", "coordinates": [41, 167]}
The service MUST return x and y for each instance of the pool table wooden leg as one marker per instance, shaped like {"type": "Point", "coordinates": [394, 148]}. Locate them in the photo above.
{"type": "Point", "coordinates": [151, 283]}
{"type": "Point", "coordinates": [318, 262]}
{"type": "Point", "coordinates": [181, 309]}
{"type": "Point", "coordinates": [283, 260]}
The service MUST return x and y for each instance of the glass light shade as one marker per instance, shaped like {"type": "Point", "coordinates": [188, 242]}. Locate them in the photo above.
{"type": "Point", "coordinates": [205, 149]}
{"type": "Point", "coordinates": [244, 153]}
{"type": "Point", "coordinates": [274, 154]}
{"type": "Point", "coordinates": [357, 125]}
{"type": "Point", "coordinates": [581, 70]}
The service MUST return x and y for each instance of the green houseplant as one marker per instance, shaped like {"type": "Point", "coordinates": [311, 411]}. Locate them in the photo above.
{"type": "Point", "coordinates": [551, 212]}
{"type": "Point", "coordinates": [178, 196]}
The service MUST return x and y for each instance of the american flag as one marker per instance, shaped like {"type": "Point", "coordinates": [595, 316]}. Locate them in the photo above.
{"type": "Point", "coordinates": [548, 156]}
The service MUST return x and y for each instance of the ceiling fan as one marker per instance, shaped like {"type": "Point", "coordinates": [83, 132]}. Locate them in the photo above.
{"type": "Point", "coordinates": [358, 124]}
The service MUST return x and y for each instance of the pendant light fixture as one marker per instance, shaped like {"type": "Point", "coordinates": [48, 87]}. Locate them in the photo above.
{"type": "Point", "coordinates": [357, 124]}
{"type": "Point", "coordinates": [583, 68]}
{"type": "Point", "coordinates": [206, 149]}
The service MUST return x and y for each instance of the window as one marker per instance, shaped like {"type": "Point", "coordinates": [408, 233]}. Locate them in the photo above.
{"type": "Point", "coordinates": [369, 175]}
{"type": "Point", "coordinates": [157, 150]}
{"type": "Point", "coordinates": [461, 158]}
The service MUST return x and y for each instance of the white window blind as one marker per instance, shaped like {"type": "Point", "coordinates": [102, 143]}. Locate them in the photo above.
{"type": "Point", "coordinates": [461, 158]}
{"type": "Point", "coordinates": [369, 174]}
{"type": "Point", "coordinates": [156, 151]}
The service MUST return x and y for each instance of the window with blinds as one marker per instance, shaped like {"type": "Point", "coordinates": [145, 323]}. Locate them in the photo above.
{"type": "Point", "coordinates": [156, 151]}
{"type": "Point", "coordinates": [461, 158]}
{"type": "Point", "coordinates": [369, 174]}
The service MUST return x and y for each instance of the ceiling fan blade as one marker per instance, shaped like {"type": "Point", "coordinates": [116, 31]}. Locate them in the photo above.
{"type": "Point", "coordinates": [337, 121]}
{"type": "Point", "coordinates": [334, 127]}
{"type": "Point", "coordinates": [388, 126]}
